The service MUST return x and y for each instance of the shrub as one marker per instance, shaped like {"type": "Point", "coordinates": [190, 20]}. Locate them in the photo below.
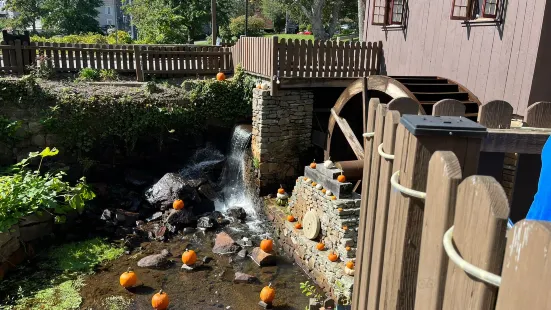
{"type": "Point", "coordinates": [24, 192]}
{"type": "Point", "coordinates": [108, 75]}
{"type": "Point", "coordinates": [255, 26]}
{"type": "Point", "coordinates": [88, 74]}
{"type": "Point", "coordinates": [44, 68]}
{"type": "Point", "coordinates": [87, 38]}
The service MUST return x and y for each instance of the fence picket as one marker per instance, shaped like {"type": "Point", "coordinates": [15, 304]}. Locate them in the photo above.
{"type": "Point", "coordinates": [105, 55]}
{"type": "Point", "coordinates": [346, 60]}
{"type": "Point", "coordinates": [480, 225]}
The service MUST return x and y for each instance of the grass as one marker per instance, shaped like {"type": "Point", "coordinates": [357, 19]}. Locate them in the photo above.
{"type": "Point", "coordinates": [54, 282]}
{"type": "Point", "coordinates": [116, 303]}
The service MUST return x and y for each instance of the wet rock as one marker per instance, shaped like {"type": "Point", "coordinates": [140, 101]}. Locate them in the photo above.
{"type": "Point", "coordinates": [206, 259]}
{"type": "Point", "coordinates": [107, 215]}
{"type": "Point", "coordinates": [264, 305]}
{"type": "Point", "coordinates": [155, 216]}
{"type": "Point", "coordinates": [262, 258]}
{"type": "Point", "coordinates": [245, 242]}
{"type": "Point", "coordinates": [180, 218]}
{"type": "Point", "coordinates": [207, 191]}
{"type": "Point", "coordinates": [195, 182]}
{"type": "Point", "coordinates": [169, 188]}
{"type": "Point", "coordinates": [160, 233]}
{"type": "Point", "coordinates": [242, 253]}
{"type": "Point", "coordinates": [139, 223]}
{"type": "Point", "coordinates": [224, 244]}
{"type": "Point", "coordinates": [237, 213]}
{"type": "Point", "coordinates": [205, 223]}
{"type": "Point", "coordinates": [155, 260]}
{"type": "Point", "coordinates": [126, 218]}
{"type": "Point", "coordinates": [244, 278]}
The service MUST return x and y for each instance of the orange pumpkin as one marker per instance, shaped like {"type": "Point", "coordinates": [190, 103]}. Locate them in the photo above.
{"type": "Point", "coordinates": [160, 301]}
{"type": "Point", "coordinates": [258, 86]}
{"type": "Point", "coordinates": [221, 76]}
{"type": "Point", "coordinates": [128, 278]}
{"type": "Point", "coordinates": [290, 218]}
{"type": "Point", "coordinates": [313, 165]}
{"type": "Point", "coordinates": [178, 204]}
{"type": "Point", "coordinates": [320, 246]}
{"type": "Point", "coordinates": [305, 178]}
{"type": "Point", "coordinates": [339, 209]}
{"type": "Point", "coordinates": [323, 190]}
{"type": "Point", "coordinates": [348, 248]}
{"type": "Point", "coordinates": [341, 178]}
{"type": "Point", "coordinates": [350, 265]}
{"type": "Point", "coordinates": [345, 227]}
{"type": "Point", "coordinates": [281, 190]}
{"type": "Point", "coordinates": [333, 256]}
{"type": "Point", "coordinates": [333, 197]}
{"type": "Point", "coordinates": [189, 257]}
{"type": "Point", "coordinates": [314, 183]}
{"type": "Point", "coordinates": [267, 294]}
{"type": "Point", "coordinates": [266, 245]}
{"type": "Point", "coordinates": [298, 226]}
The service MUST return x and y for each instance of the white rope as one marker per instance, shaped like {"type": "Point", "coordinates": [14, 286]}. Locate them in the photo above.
{"type": "Point", "coordinates": [383, 154]}
{"type": "Point", "coordinates": [369, 134]}
{"type": "Point", "coordinates": [469, 268]}
{"type": "Point", "coordinates": [407, 191]}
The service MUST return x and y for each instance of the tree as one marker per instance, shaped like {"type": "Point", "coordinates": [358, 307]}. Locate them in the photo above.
{"type": "Point", "coordinates": [195, 14]}
{"type": "Point", "coordinates": [276, 11]}
{"type": "Point", "coordinates": [29, 12]}
{"type": "Point", "coordinates": [72, 16]}
{"type": "Point", "coordinates": [361, 17]}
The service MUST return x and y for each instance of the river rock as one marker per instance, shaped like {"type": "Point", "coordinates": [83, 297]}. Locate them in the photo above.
{"type": "Point", "coordinates": [262, 258]}
{"type": "Point", "coordinates": [207, 191]}
{"type": "Point", "coordinates": [169, 188]}
{"type": "Point", "coordinates": [224, 244]}
{"type": "Point", "coordinates": [244, 278]}
{"type": "Point", "coordinates": [243, 253]}
{"type": "Point", "coordinates": [180, 218]}
{"type": "Point", "coordinates": [205, 222]}
{"type": "Point", "coordinates": [126, 218]}
{"type": "Point", "coordinates": [155, 216]}
{"type": "Point", "coordinates": [107, 215]}
{"type": "Point", "coordinates": [237, 213]}
{"type": "Point", "coordinates": [155, 260]}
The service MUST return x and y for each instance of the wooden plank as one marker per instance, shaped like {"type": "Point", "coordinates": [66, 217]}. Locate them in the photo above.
{"type": "Point", "coordinates": [131, 57]}
{"type": "Point", "coordinates": [317, 68]}
{"type": "Point", "coordinates": [368, 56]}
{"type": "Point", "coordinates": [105, 54]}
{"type": "Point", "coordinates": [405, 216]}
{"type": "Point", "coordinates": [327, 59]}
{"type": "Point", "coordinates": [169, 59]}
{"type": "Point", "coordinates": [363, 55]}
{"type": "Point", "coordinates": [526, 268]}
{"type": "Point", "coordinates": [373, 182]}
{"type": "Point", "coordinates": [443, 180]}
{"type": "Point", "coordinates": [138, 65]}
{"type": "Point", "coordinates": [346, 60]}
{"type": "Point", "coordinates": [362, 273]}
{"type": "Point", "coordinates": [112, 58]}
{"type": "Point", "coordinates": [290, 58]}
{"type": "Point", "coordinates": [496, 114]}
{"type": "Point", "coordinates": [19, 58]}
{"type": "Point", "coordinates": [349, 135]}
{"type": "Point", "coordinates": [63, 56]}
{"type": "Point", "coordinates": [71, 58]}
{"type": "Point", "coordinates": [374, 58]}
{"type": "Point", "coordinates": [515, 141]}
{"type": "Point", "coordinates": [539, 115]}
{"type": "Point", "coordinates": [143, 60]}
{"type": "Point", "coordinates": [78, 52]}
{"type": "Point", "coordinates": [57, 64]}
{"type": "Point", "coordinates": [308, 62]}
{"type": "Point", "coordinates": [339, 60]}
{"type": "Point", "coordinates": [357, 63]}
{"type": "Point", "coordinates": [448, 107]}
{"type": "Point", "coordinates": [296, 60]}
{"type": "Point", "coordinates": [479, 236]}
{"type": "Point", "coordinates": [25, 55]}
{"type": "Point", "coordinates": [85, 57]}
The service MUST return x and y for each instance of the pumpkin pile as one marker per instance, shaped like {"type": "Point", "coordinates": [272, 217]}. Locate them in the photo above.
{"type": "Point", "coordinates": [281, 198]}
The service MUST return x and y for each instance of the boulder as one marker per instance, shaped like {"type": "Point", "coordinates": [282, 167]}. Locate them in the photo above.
{"type": "Point", "coordinates": [224, 244]}
{"type": "Point", "coordinates": [180, 218]}
{"type": "Point", "coordinates": [107, 215]}
{"type": "Point", "coordinates": [169, 188]}
{"type": "Point", "coordinates": [155, 260]}
{"type": "Point", "coordinates": [155, 216]}
{"type": "Point", "coordinates": [262, 258]}
{"type": "Point", "coordinates": [205, 222]}
{"type": "Point", "coordinates": [237, 213]}
{"type": "Point", "coordinates": [126, 218]}
{"type": "Point", "coordinates": [207, 192]}
{"type": "Point", "coordinates": [242, 253]}
{"type": "Point", "coordinates": [244, 278]}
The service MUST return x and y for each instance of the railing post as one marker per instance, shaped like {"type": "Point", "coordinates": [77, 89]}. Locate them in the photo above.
{"type": "Point", "coordinates": [19, 58]}
{"type": "Point", "coordinates": [138, 63]}
{"type": "Point", "coordinates": [274, 70]}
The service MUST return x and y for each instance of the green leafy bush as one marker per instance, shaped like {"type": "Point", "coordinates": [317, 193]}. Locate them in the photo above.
{"type": "Point", "coordinates": [44, 68]}
{"type": "Point", "coordinates": [8, 128]}
{"type": "Point", "coordinates": [255, 26]}
{"type": "Point", "coordinates": [88, 74]}
{"type": "Point", "coordinates": [24, 192]}
{"type": "Point", "coordinates": [87, 38]}
{"type": "Point", "coordinates": [108, 75]}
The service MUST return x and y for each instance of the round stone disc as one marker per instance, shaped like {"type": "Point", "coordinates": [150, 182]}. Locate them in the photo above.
{"type": "Point", "coordinates": [311, 225]}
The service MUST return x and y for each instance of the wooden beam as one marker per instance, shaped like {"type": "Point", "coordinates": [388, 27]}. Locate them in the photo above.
{"type": "Point", "coordinates": [287, 83]}
{"type": "Point", "coordinates": [349, 135]}
{"type": "Point", "coordinates": [523, 141]}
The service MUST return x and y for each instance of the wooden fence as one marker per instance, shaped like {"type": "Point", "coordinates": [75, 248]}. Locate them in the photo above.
{"type": "Point", "coordinates": [168, 61]}
{"type": "Point", "coordinates": [419, 189]}
{"type": "Point", "coordinates": [270, 57]}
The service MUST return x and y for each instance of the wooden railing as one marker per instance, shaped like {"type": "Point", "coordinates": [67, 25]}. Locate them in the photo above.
{"type": "Point", "coordinates": [270, 57]}
{"type": "Point", "coordinates": [169, 60]}
{"type": "Point", "coordinates": [419, 189]}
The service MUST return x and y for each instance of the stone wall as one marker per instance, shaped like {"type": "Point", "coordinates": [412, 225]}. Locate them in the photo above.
{"type": "Point", "coordinates": [338, 220]}
{"type": "Point", "coordinates": [282, 126]}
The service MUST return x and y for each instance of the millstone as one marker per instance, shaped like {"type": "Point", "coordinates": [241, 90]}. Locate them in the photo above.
{"type": "Point", "coordinates": [311, 225]}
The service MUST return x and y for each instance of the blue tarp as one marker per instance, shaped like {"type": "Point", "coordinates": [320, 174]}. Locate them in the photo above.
{"type": "Point", "coordinates": [541, 207]}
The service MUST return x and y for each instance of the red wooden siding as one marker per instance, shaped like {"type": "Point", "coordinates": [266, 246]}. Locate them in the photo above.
{"type": "Point", "coordinates": [493, 61]}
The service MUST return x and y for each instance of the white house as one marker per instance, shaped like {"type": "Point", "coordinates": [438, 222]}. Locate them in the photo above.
{"type": "Point", "coordinates": [106, 13]}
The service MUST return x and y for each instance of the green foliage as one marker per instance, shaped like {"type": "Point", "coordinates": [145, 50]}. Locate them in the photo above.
{"type": "Point", "coordinates": [342, 293]}
{"type": "Point", "coordinates": [255, 26]}
{"type": "Point", "coordinates": [256, 163]}
{"type": "Point", "coordinates": [8, 128]}
{"type": "Point", "coordinates": [29, 11]}
{"type": "Point", "coordinates": [87, 38]}
{"type": "Point", "coordinates": [116, 303]}
{"type": "Point", "coordinates": [309, 290]}
{"type": "Point", "coordinates": [57, 296]}
{"type": "Point", "coordinates": [3, 23]}
{"type": "Point", "coordinates": [151, 87]}
{"type": "Point", "coordinates": [88, 74]}
{"type": "Point", "coordinates": [43, 68]}
{"type": "Point", "coordinates": [83, 256]}
{"type": "Point", "coordinates": [71, 16]}
{"type": "Point", "coordinates": [276, 11]}
{"type": "Point", "coordinates": [108, 75]}
{"type": "Point", "coordinates": [24, 192]}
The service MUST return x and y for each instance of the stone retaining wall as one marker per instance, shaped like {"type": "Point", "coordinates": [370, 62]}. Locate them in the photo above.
{"type": "Point", "coordinates": [282, 126]}
{"type": "Point", "coordinates": [333, 216]}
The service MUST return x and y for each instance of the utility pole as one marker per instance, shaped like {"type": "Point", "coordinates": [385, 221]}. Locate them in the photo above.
{"type": "Point", "coordinates": [246, 16]}
{"type": "Point", "coordinates": [214, 24]}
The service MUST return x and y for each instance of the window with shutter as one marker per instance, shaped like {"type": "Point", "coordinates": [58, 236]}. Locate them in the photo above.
{"type": "Point", "coordinates": [396, 12]}
{"type": "Point", "coordinates": [489, 8]}
{"type": "Point", "coordinates": [461, 9]}
{"type": "Point", "coordinates": [379, 14]}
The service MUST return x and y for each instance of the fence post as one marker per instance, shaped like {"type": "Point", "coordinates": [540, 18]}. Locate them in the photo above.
{"type": "Point", "coordinates": [405, 215]}
{"type": "Point", "coordinates": [138, 63]}
{"type": "Point", "coordinates": [480, 225]}
{"type": "Point", "coordinates": [443, 180]}
{"type": "Point", "coordinates": [274, 73]}
{"type": "Point", "coordinates": [19, 58]}
{"type": "Point", "coordinates": [526, 268]}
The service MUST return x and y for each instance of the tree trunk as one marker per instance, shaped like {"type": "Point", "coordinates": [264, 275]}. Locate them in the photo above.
{"type": "Point", "coordinates": [315, 15]}
{"type": "Point", "coordinates": [361, 17]}
{"type": "Point", "coordinates": [334, 18]}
